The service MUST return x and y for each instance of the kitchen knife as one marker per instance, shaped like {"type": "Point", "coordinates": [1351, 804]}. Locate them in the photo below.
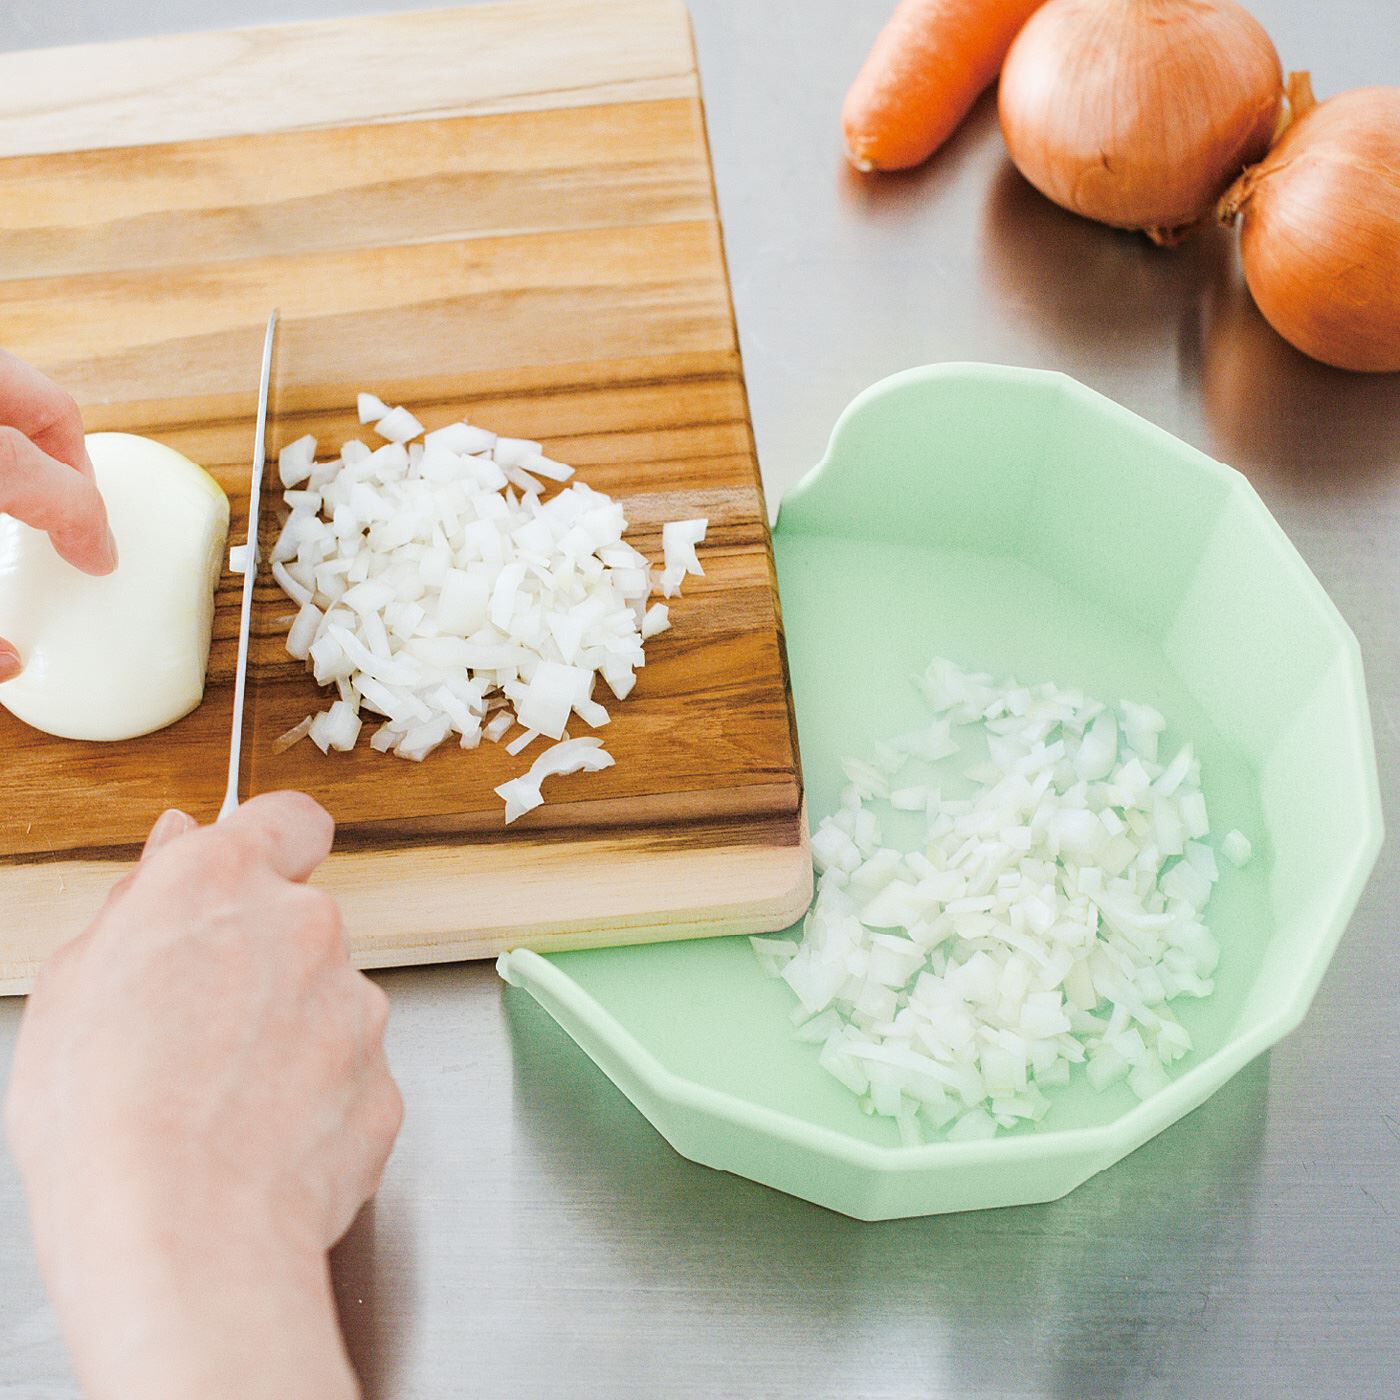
{"type": "Point", "coordinates": [245, 560]}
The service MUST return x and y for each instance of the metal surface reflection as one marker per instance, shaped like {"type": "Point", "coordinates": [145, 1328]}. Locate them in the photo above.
{"type": "Point", "coordinates": [1160, 1232]}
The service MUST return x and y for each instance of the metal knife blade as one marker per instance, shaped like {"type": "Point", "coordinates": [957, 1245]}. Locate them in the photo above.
{"type": "Point", "coordinates": [250, 577]}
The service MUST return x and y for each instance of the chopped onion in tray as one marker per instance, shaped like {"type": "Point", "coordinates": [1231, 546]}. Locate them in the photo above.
{"type": "Point", "coordinates": [1043, 920]}
{"type": "Point", "coordinates": [441, 588]}
{"type": "Point", "coordinates": [1236, 847]}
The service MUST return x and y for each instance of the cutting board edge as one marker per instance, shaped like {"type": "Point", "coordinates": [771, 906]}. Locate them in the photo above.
{"type": "Point", "coordinates": [768, 886]}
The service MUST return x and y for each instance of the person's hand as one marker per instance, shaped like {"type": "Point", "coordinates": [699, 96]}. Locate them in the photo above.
{"type": "Point", "coordinates": [46, 478]}
{"type": "Point", "coordinates": [199, 1104]}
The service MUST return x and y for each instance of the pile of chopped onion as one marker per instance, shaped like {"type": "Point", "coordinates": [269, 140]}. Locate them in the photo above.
{"type": "Point", "coordinates": [442, 589]}
{"type": "Point", "coordinates": [1042, 921]}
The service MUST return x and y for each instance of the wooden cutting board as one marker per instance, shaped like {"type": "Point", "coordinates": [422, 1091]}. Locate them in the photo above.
{"type": "Point", "coordinates": [505, 210]}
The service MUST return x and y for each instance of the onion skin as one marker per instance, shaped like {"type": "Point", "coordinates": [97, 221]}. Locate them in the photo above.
{"type": "Point", "coordinates": [1320, 231]}
{"type": "Point", "coordinates": [1139, 113]}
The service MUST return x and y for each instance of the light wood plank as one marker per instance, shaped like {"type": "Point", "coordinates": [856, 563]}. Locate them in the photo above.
{"type": "Point", "coordinates": [628, 887]}
{"type": "Point", "coordinates": [526, 55]}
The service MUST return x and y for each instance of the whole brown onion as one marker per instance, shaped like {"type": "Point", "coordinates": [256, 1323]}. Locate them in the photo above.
{"type": "Point", "coordinates": [1138, 113]}
{"type": "Point", "coordinates": [1320, 237]}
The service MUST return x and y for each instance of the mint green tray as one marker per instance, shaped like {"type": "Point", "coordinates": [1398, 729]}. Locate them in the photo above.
{"type": "Point", "coordinates": [1015, 522]}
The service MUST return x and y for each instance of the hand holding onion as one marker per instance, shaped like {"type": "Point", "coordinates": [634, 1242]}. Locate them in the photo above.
{"type": "Point", "coordinates": [46, 478]}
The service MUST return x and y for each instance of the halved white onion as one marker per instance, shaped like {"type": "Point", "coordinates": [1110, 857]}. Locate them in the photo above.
{"type": "Point", "coordinates": [113, 658]}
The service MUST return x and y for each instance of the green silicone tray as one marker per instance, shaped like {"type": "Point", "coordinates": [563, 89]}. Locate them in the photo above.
{"type": "Point", "coordinates": [1016, 522]}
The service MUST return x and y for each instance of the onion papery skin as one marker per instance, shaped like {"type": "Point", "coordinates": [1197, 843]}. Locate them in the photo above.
{"type": "Point", "coordinates": [1320, 231]}
{"type": "Point", "coordinates": [1139, 113]}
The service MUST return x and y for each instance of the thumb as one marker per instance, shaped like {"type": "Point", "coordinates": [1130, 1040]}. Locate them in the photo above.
{"type": "Point", "coordinates": [169, 826]}
{"type": "Point", "coordinates": [11, 663]}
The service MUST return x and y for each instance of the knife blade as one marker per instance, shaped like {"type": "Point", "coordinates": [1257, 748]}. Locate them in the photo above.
{"type": "Point", "coordinates": [249, 559]}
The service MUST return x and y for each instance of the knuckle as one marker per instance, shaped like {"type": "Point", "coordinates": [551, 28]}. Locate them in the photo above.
{"type": "Point", "coordinates": [88, 500]}
{"type": "Point", "coordinates": [299, 804]}
{"type": "Point", "coordinates": [214, 867]}
{"type": "Point", "coordinates": [230, 854]}
{"type": "Point", "coordinates": [64, 409]}
{"type": "Point", "coordinates": [57, 410]}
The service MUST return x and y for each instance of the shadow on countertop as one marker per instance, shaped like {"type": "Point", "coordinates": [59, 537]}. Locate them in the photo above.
{"type": "Point", "coordinates": [1087, 1295]}
{"type": "Point", "coordinates": [1104, 296]}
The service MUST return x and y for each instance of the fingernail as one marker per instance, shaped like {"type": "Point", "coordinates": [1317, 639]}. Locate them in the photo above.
{"type": "Point", "coordinates": [169, 825]}
{"type": "Point", "coordinates": [112, 546]}
{"type": "Point", "coordinates": [10, 664]}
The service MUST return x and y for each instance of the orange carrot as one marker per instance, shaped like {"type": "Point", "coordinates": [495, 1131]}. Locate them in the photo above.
{"type": "Point", "coordinates": [928, 66]}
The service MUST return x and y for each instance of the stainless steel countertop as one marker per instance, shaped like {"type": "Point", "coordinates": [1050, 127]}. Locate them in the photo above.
{"type": "Point", "coordinates": [535, 1237]}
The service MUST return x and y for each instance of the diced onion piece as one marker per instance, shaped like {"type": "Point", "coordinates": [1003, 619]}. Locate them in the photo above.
{"type": "Point", "coordinates": [514, 452]}
{"type": "Point", "coordinates": [1141, 727]}
{"type": "Point", "coordinates": [294, 735]}
{"type": "Point", "coordinates": [318, 734]}
{"type": "Point", "coordinates": [297, 592]}
{"type": "Point", "coordinates": [1236, 848]}
{"type": "Point", "coordinates": [371, 408]}
{"type": "Point", "coordinates": [496, 729]}
{"type": "Point", "coordinates": [678, 541]}
{"type": "Point", "coordinates": [398, 425]}
{"type": "Point", "coordinates": [551, 696]}
{"type": "Point", "coordinates": [294, 461]}
{"type": "Point", "coordinates": [655, 620]}
{"type": "Point", "coordinates": [522, 741]}
{"type": "Point", "coordinates": [1099, 750]}
{"type": "Point", "coordinates": [592, 713]}
{"type": "Point", "coordinates": [520, 797]}
{"type": "Point", "coordinates": [304, 631]}
{"type": "Point", "coordinates": [523, 794]}
{"type": "Point", "coordinates": [423, 738]}
{"type": "Point", "coordinates": [342, 726]}
{"type": "Point", "coordinates": [463, 603]}
{"type": "Point", "coordinates": [539, 465]}
{"type": "Point", "coordinates": [522, 479]}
